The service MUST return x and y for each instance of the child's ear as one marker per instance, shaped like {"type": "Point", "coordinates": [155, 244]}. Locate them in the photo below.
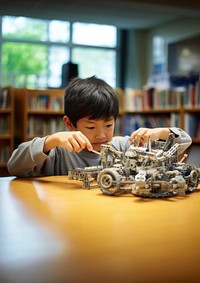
{"type": "Point", "coordinates": [68, 124]}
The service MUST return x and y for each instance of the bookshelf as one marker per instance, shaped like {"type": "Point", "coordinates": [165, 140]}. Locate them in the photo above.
{"type": "Point", "coordinates": [6, 127]}
{"type": "Point", "coordinates": [38, 113]}
{"type": "Point", "coordinates": [191, 123]}
{"type": "Point", "coordinates": [154, 107]}
{"type": "Point", "coordinates": [118, 123]}
{"type": "Point", "coordinates": [150, 108]}
{"type": "Point", "coordinates": [172, 107]}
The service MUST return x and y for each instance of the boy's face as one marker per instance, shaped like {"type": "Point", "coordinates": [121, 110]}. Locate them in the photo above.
{"type": "Point", "coordinates": [97, 131]}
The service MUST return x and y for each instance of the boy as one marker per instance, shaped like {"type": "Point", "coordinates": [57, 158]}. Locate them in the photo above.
{"type": "Point", "coordinates": [91, 108]}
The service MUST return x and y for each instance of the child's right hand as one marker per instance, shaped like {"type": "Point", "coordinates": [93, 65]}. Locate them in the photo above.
{"type": "Point", "coordinates": [72, 141]}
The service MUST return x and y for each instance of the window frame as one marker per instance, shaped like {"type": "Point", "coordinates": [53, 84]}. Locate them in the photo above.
{"type": "Point", "coordinates": [70, 45]}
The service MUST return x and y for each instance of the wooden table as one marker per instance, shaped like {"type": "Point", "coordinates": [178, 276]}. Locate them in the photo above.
{"type": "Point", "coordinates": [52, 231]}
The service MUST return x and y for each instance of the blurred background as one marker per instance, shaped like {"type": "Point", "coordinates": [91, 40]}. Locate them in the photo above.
{"type": "Point", "coordinates": [149, 51]}
{"type": "Point", "coordinates": [122, 41]}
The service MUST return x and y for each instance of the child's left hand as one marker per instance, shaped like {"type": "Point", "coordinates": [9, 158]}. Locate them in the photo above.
{"type": "Point", "coordinates": [142, 135]}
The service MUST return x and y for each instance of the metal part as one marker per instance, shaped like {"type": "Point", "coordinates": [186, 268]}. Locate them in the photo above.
{"type": "Point", "coordinates": [153, 171]}
{"type": "Point", "coordinates": [96, 152]}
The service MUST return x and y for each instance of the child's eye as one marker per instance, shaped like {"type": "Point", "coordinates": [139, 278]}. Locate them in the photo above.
{"type": "Point", "coordinates": [90, 128]}
{"type": "Point", "coordinates": [109, 125]}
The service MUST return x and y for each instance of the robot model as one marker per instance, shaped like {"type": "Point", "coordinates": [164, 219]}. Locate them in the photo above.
{"type": "Point", "coordinates": [152, 171]}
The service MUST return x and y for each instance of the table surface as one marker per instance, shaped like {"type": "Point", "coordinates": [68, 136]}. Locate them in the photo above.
{"type": "Point", "coordinates": [53, 230]}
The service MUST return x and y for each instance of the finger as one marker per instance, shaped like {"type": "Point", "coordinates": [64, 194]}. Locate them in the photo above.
{"type": "Point", "coordinates": [134, 134]}
{"type": "Point", "coordinates": [69, 146]}
{"type": "Point", "coordinates": [87, 143]}
{"type": "Point", "coordinates": [140, 137]}
{"type": "Point", "coordinates": [146, 139]}
{"type": "Point", "coordinates": [73, 145]}
{"type": "Point", "coordinates": [79, 141]}
{"type": "Point", "coordinates": [141, 141]}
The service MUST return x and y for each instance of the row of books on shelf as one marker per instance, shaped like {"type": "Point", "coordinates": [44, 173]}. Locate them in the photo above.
{"type": "Point", "coordinates": [4, 154]}
{"type": "Point", "coordinates": [158, 98]}
{"type": "Point", "coordinates": [192, 125]}
{"type": "Point", "coordinates": [4, 125]}
{"type": "Point", "coordinates": [191, 98]}
{"type": "Point", "coordinates": [152, 98]}
{"type": "Point", "coordinates": [133, 122]}
{"type": "Point", "coordinates": [190, 86]}
{"type": "Point", "coordinates": [38, 126]}
{"type": "Point", "coordinates": [4, 98]}
{"type": "Point", "coordinates": [45, 102]}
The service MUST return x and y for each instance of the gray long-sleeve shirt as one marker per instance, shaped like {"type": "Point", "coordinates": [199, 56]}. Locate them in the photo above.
{"type": "Point", "coordinates": [30, 160]}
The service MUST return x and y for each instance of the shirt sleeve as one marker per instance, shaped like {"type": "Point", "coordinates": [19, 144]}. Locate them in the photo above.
{"type": "Point", "coordinates": [182, 138]}
{"type": "Point", "coordinates": [26, 157]}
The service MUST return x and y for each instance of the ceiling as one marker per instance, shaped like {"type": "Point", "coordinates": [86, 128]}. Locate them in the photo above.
{"type": "Point", "coordinates": [141, 14]}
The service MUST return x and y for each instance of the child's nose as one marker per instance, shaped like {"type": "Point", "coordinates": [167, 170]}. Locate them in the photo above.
{"type": "Point", "coordinates": [100, 134]}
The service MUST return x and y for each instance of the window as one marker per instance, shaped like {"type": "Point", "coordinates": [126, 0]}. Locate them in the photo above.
{"type": "Point", "coordinates": [59, 31]}
{"type": "Point", "coordinates": [23, 63]}
{"type": "Point", "coordinates": [98, 62]}
{"type": "Point", "coordinates": [33, 51]}
{"type": "Point", "coordinates": [159, 60]}
{"type": "Point", "coordinates": [24, 28]}
{"type": "Point", "coordinates": [58, 56]}
{"type": "Point", "coordinates": [91, 59]}
{"type": "Point", "coordinates": [96, 35]}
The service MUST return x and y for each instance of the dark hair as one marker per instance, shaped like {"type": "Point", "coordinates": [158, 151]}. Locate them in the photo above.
{"type": "Point", "coordinates": [90, 97]}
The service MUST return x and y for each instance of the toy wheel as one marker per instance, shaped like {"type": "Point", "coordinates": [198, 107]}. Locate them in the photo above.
{"type": "Point", "coordinates": [108, 181]}
{"type": "Point", "coordinates": [194, 176]}
{"type": "Point", "coordinates": [193, 182]}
